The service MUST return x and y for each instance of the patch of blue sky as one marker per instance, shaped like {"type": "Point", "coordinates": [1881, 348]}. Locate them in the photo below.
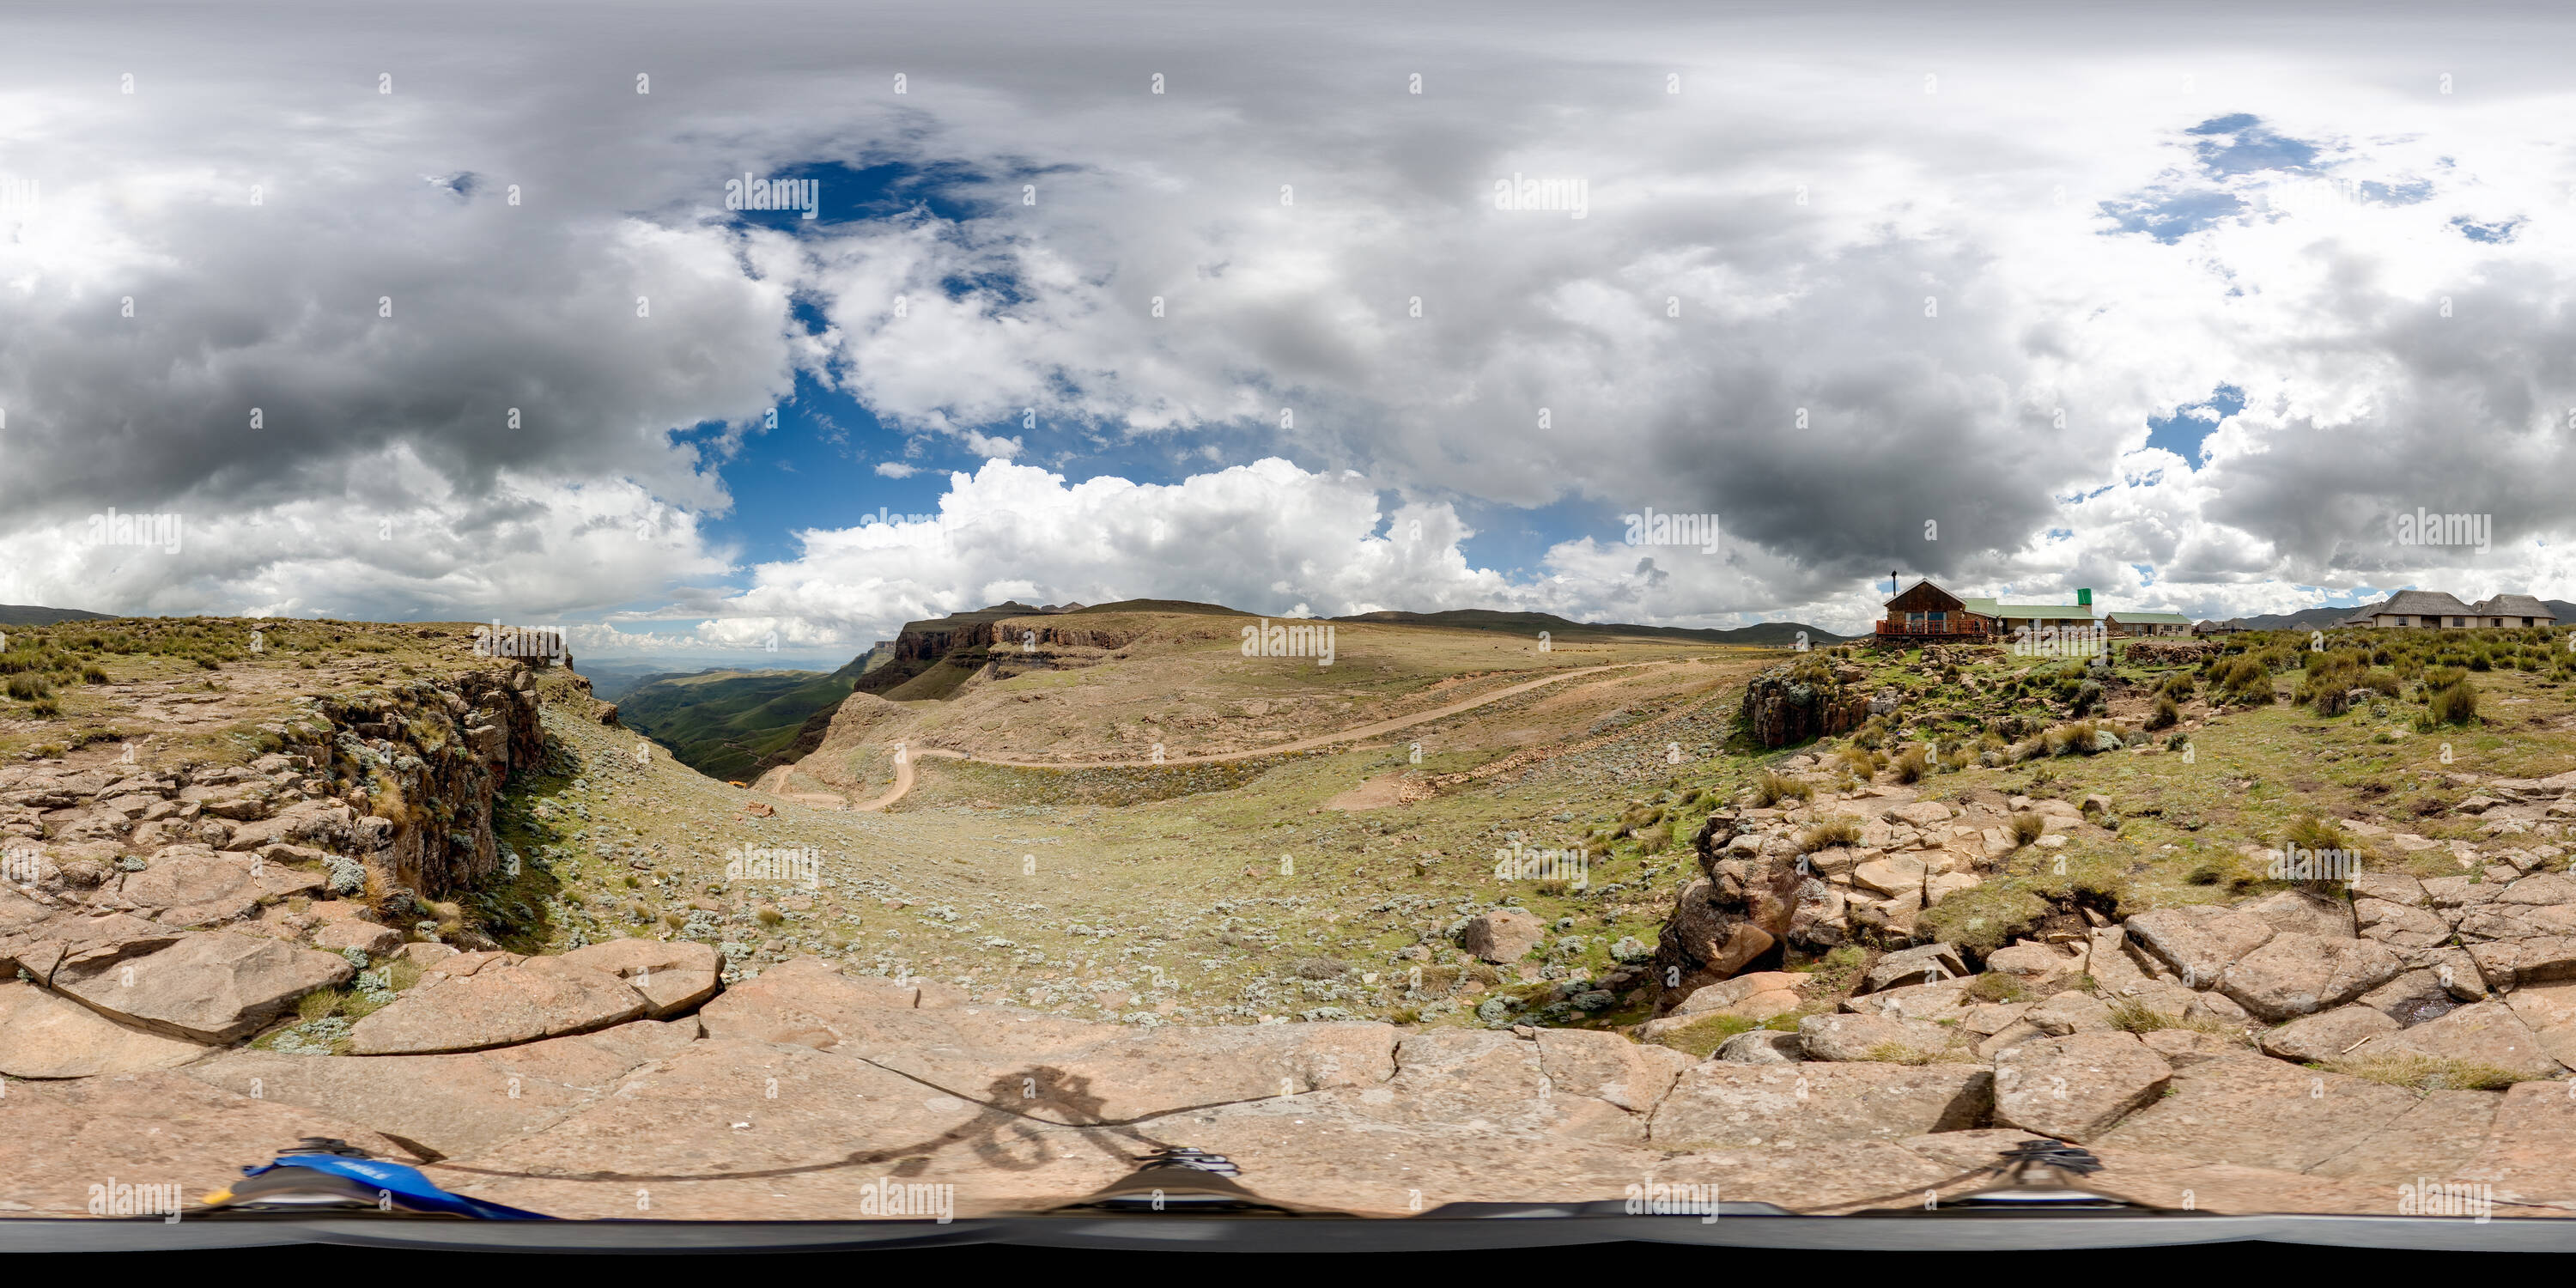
{"type": "Point", "coordinates": [1514, 540]}
{"type": "Point", "coordinates": [2500, 230]}
{"type": "Point", "coordinates": [2406, 193]}
{"type": "Point", "coordinates": [2185, 433]}
{"type": "Point", "coordinates": [2170, 216]}
{"type": "Point", "coordinates": [2241, 144]}
{"type": "Point", "coordinates": [845, 193]}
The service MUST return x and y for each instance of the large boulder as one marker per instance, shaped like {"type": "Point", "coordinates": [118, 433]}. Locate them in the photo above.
{"type": "Point", "coordinates": [1761, 1046]}
{"type": "Point", "coordinates": [1928, 963]}
{"type": "Point", "coordinates": [1758, 996]}
{"type": "Point", "coordinates": [2038, 968]}
{"type": "Point", "coordinates": [1723, 924]}
{"type": "Point", "coordinates": [215, 987]}
{"type": "Point", "coordinates": [1794, 702]}
{"type": "Point", "coordinates": [498, 1005]}
{"type": "Point", "coordinates": [1502, 936]}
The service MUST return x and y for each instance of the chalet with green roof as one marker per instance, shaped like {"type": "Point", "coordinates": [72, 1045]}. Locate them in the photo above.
{"type": "Point", "coordinates": [1927, 612]}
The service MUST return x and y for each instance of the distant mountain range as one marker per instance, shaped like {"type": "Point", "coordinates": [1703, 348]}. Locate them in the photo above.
{"type": "Point", "coordinates": [30, 615]}
{"type": "Point", "coordinates": [1481, 619]}
{"type": "Point", "coordinates": [2318, 619]}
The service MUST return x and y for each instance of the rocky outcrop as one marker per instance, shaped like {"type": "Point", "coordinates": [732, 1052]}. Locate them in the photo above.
{"type": "Point", "coordinates": [1765, 885]}
{"type": "Point", "coordinates": [1799, 701]}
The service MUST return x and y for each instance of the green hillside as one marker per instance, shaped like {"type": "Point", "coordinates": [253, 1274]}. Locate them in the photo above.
{"type": "Point", "coordinates": [734, 724]}
{"type": "Point", "coordinates": [31, 615]}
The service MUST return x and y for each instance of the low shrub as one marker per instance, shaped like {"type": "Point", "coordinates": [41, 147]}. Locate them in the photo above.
{"type": "Point", "coordinates": [1770, 789]}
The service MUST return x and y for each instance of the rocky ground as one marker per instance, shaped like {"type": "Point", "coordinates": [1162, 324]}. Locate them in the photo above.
{"type": "Point", "coordinates": [444, 907]}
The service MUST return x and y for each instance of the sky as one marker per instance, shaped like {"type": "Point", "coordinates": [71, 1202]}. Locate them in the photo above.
{"type": "Point", "coordinates": [442, 313]}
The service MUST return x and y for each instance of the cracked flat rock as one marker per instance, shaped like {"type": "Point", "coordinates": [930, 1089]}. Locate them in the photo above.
{"type": "Point", "coordinates": [216, 987]}
{"type": "Point", "coordinates": [1061, 1070]}
{"type": "Point", "coordinates": [2437, 1137]}
{"type": "Point", "coordinates": [1609, 1068]}
{"type": "Point", "coordinates": [672, 976]}
{"type": "Point", "coordinates": [2329, 1035]}
{"type": "Point", "coordinates": [1872, 1037]}
{"type": "Point", "coordinates": [2529, 1155]}
{"type": "Point", "coordinates": [806, 1002]}
{"type": "Point", "coordinates": [2201, 941]}
{"type": "Point", "coordinates": [43, 1035]}
{"type": "Point", "coordinates": [2257, 1112]}
{"type": "Point", "coordinates": [2484, 1033]}
{"type": "Point", "coordinates": [2076, 1087]}
{"type": "Point", "coordinates": [453, 1104]}
{"type": "Point", "coordinates": [741, 1129]}
{"type": "Point", "coordinates": [1724, 1106]}
{"type": "Point", "coordinates": [1483, 1080]}
{"type": "Point", "coordinates": [500, 1004]}
{"type": "Point", "coordinates": [2299, 974]}
{"type": "Point", "coordinates": [2167, 1181]}
{"type": "Point", "coordinates": [189, 885]}
{"type": "Point", "coordinates": [1318, 1149]}
{"type": "Point", "coordinates": [156, 1128]}
{"type": "Point", "coordinates": [45, 945]}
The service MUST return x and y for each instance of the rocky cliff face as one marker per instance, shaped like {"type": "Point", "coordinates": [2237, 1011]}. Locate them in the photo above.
{"type": "Point", "coordinates": [419, 766]}
{"type": "Point", "coordinates": [397, 781]}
